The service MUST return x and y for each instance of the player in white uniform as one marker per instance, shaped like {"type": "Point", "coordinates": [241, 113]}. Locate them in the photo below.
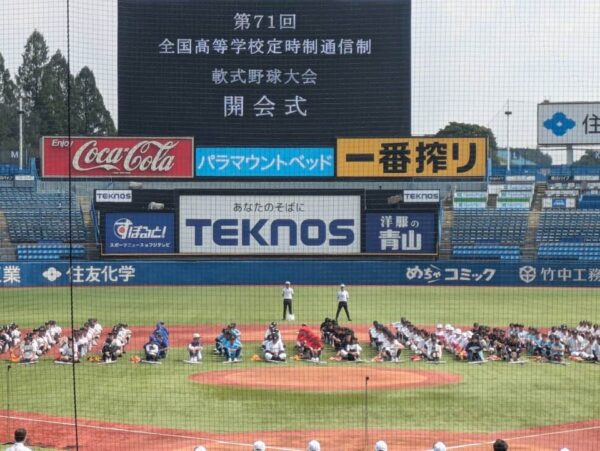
{"type": "Point", "coordinates": [274, 349]}
{"type": "Point", "coordinates": [342, 297]}
{"type": "Point", "coordinates": [195, 349]}
{"type": "Point", "coordinates": [288, 296]}
{"type": "Point", "coordinates": [19, 445]}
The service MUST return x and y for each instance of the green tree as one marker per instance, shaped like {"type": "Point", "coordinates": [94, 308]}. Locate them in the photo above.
{"type": "Point", "coordinates": [459, 129]}
{"type": "Point", "coordinates": [29, 83]}
{"type": "Point", "coordinates": [589, 158]}
{"type": "Point", "coordinates": [29, 76]}
{"type": "Point", "coordinates": [53, 101]}
{"type": "Point", "coordinates": [9, 128]}
{"type": "Point", "coordinates": [91, 116]}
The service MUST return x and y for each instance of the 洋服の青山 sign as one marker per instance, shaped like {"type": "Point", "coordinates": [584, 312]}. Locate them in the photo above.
{"type": "Point", "coordinates": [117, 157]}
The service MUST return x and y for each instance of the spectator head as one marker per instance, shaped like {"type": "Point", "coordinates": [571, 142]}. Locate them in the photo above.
{"type": "Point", "coordinates": [259, 446]}
{"type": "Point", "coordinates": [381, 446]}
{"type": "Point", "coordinates": [439, 446]}
{"type": "Point", "coordinates": [500, 445]}
{"type": "Point", "coordinates": [313, 445]}
{"type": "Point", "coordinates": [20, 435]}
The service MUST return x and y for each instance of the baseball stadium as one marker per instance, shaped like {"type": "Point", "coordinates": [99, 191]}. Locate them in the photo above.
{"type": "Point", "coordinates": [322, 225]}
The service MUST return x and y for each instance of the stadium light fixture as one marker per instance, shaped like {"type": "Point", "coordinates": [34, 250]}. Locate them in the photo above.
{"type": "Point", "coordinates": [508, 113]}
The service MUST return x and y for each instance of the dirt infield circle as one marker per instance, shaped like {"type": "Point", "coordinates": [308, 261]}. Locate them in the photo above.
{"type": "Point", "coordinates": [324, 378]}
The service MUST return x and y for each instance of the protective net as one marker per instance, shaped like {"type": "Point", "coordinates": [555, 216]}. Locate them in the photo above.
{"type": "Point", "coordinates": [327, 225]}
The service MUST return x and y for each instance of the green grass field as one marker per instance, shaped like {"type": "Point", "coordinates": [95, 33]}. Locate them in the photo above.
{"type": "Point", "coordinates": [492, 397]}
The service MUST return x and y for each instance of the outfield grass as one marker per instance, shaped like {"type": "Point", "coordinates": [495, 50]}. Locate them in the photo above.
{"type": "Point", "coordinates": [492, 397]}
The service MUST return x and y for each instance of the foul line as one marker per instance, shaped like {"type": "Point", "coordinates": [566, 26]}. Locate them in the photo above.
{"type": "Point", "coordinates": [525, 437]}
{"type": "Point", "coordinates": [135, 431]}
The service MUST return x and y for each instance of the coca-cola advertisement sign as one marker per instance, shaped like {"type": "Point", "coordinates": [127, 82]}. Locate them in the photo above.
{"type": "Point", "coordinates": [117, 157]}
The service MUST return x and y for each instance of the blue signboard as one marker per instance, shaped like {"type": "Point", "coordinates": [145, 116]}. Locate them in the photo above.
{"type": "Point", "coordinates": [139, 233]}
{"type": "Point", "coordinates": [264, 162]}
{"type": "Point", "coordinates": [401, 233]}
{"type": "Point", "coordinates": [308, 272]}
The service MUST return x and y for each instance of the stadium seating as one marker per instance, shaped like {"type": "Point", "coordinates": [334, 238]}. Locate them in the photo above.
{"type": "Point", "coordinates": [569, 251]}
{"type": "Point", "coordinates": [569, 226]}
{"type": "Point", "coordinates": [33, 216]}
{"type": "Point", "coordinates": [49, 251]}
{"type": "Point", "coordinates": [496, 234]}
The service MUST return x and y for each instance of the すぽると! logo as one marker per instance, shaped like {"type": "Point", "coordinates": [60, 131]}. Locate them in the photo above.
{"type": "Point", "coordinates": [121, 228]}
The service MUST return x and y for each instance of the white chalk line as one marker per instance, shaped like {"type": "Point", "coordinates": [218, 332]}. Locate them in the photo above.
{"type": "Point", "coordinates": [139, 432]}
{"type": "Point", "coordinates": [526, 437]}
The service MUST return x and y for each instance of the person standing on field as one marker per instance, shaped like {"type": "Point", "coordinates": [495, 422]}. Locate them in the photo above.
{"type": "Point", "coordinates": [342, 298]}
{"type": "Point", "coordinates": [288, 296]}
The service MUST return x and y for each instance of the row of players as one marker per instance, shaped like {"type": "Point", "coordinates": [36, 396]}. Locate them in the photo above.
{"type": "Point", "coordinates": [581, 343]}
{"type": "Point", "coordinates": [559, 343]}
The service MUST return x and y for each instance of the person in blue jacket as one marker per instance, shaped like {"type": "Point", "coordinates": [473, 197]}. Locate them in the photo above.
{"type": "Point", "coordinates": [232, 348]}
{"type": "Point", "coordinates": [163, 344]}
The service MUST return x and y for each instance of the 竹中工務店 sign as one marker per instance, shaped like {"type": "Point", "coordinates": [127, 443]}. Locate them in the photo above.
{"type": "Point", "coordinates": [398, 157]}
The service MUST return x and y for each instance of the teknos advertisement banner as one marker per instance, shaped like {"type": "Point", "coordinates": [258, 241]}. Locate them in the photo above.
{"type": "Point", "coordinates": [139, 233]}
{"type": "Point", "coordinates": [401, 233]}
{"type": "Point", "coordinates": [117, 157]}
{"type": "Point", "coordinates": [269, 224]}
{"type": "Point", "coordinates": [413, 157]}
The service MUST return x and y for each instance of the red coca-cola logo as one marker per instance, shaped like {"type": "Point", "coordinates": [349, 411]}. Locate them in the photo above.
{"type": "Point", "coordinates": [118, 157]}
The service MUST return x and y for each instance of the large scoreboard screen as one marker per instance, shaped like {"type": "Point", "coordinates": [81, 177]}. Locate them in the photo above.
{"type": "Point", "coordinates": [247, 72]}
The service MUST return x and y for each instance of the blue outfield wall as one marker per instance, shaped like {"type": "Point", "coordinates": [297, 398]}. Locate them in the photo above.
{"type": "Point", "coordinates": [309, 272]}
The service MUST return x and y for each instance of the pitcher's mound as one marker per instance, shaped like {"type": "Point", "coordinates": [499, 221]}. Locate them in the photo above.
{"type": "Point", "coordinates": [326, 379]}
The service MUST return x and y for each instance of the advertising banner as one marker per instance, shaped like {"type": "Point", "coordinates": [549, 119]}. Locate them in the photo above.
{"type": "Point", "coordinates": [113, 196]}
{"type": "Point", "coordinates": [398, 157]}
{"type": "Point", "coordinates": [269, 224]}
{"type": "Point", "coordinates": [305, 271]}
{"type": "Point", "coordinates": [423, 196]}
{"type": "Point", "coordinates": [401, 233]}
{"type": "Point", "coordinates": [568, 123]}
{"type": "Point", "coordinates": [264, 73]}
{"type": "Point", "coordinates": [139, 233]}
{"type": "Point", "coordinates": [117, 157]}
{"type": "Point", "coordinates": [265, 162]}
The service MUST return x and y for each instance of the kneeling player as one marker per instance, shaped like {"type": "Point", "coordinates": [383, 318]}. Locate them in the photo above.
{"type": "Point", "coordinates": [110, 349]}
{"type": "Point", "coordinates": [28, 354]}
{"type": "Point", "coordinates": [68, 352]}
{"type": "Point", "coordinates": [152, 351]}
{"type": "Point", "coordinates": [232, 348]}
{"type": "Point", "coordinates": [350, 350]}
{"type": "Point", "coordinates": [274, 349]}
{"type": "Point", "coordinates": [195, 349]}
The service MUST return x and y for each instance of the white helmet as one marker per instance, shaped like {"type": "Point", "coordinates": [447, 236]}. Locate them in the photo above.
{"type": "Point", "coordinates": [313, 445]}
{"type": "Point", "coordinates": [199, 448]}
{"type": "Point", "coordinates": [259, 446]}
{"type": "Point", "coordinates": [439, 446]}
{"type": "Point", "coordinates": [564, 449]}
{"type": "Point", "coordinates": [381, 446]}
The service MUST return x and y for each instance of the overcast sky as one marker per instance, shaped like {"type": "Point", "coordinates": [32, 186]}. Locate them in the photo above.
{"type": "Point", "coordinates": [469, 56]}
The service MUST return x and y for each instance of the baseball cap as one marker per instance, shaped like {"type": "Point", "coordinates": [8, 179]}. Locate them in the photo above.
{"type": "Point", "coordinates": [439, 446]}
{"type": "Point", "coordinates": [342, 285]}
{"type": "Point", "coordinates": [199, 448]}
{"type": "Point", "coordinates": [313, 445]}
{"type": "Point", "coordinates": [259, 446]}
{"type": "Point", "coordinates": [564, 449]}
{"type": "Point", "coordinates": [287, 282]}
{"type": "Point", "coordinates": [381, 446]}
{"type": "Point", "coordinates": [439, 326]}
{"type": "Point", "coordinates": [196, 335]}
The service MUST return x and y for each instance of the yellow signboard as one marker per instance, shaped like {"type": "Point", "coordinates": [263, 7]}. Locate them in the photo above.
{"type": "Point", "coordinates": [411, 157]}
